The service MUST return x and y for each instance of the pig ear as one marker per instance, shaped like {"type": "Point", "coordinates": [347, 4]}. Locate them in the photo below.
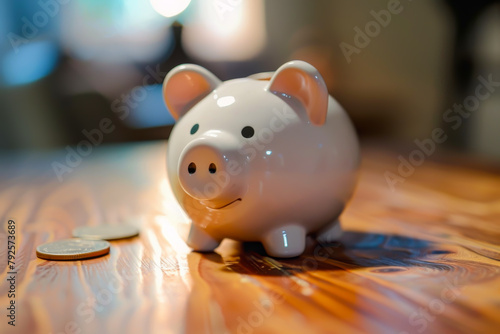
{"type": "Point", "coordinates": [303, 82]}
{"type": "Point", "coordinates": [186, 85]}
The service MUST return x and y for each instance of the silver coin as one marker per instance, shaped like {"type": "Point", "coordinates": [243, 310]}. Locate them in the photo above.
{"type": "Point", "coordinates": [105, 232]}
{"type": "Point", "coordinates": [72, 249]}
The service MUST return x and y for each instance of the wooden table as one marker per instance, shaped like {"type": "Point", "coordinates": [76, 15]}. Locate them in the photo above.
{"type": "Point", "coordinates": [423, 258]}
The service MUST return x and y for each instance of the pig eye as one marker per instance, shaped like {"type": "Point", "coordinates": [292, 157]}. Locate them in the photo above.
{"type": "Point", "coordinates": [194, 128]}
{"type": "Point", "coordinates": [247, 132]}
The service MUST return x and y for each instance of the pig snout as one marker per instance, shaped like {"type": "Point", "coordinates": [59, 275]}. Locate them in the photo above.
{"type": "Point", "coordinates": [211, 171]}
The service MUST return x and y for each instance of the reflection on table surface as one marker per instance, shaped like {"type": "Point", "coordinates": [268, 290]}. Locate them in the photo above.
{"type": "Point", "coordinates": [419, 258]}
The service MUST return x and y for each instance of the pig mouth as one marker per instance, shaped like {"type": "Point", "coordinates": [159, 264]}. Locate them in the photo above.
{"type": "Point", "coordinates": [228, 204]}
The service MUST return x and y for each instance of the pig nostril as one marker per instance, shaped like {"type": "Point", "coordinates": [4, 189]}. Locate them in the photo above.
{"type": "Point", "coordinates": [212, 168]}
{"type": "Point", "coordinates": [192, 168]}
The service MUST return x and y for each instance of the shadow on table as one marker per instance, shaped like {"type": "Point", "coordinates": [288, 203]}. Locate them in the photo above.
{"type": "Point", "coordinates": [387, 252]}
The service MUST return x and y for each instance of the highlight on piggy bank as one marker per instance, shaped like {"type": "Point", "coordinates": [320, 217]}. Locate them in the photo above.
{"type": "Point", "coordinates": [269, 158]}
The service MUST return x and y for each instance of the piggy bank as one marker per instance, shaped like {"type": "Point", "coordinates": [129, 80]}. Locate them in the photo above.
{"type": "Point", "coordinates": [269, 158]}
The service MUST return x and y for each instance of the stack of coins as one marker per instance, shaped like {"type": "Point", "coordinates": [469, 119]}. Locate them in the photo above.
{"type": "Point", "coordinates": [88, 242]}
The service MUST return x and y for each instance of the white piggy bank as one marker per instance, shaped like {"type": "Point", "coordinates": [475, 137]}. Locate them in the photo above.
{"type": "Point", "coordinates": [269, 158]}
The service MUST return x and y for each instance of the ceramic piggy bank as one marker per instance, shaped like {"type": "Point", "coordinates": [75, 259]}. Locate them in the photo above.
{"type": "Point", "coordinates": [269, 158]}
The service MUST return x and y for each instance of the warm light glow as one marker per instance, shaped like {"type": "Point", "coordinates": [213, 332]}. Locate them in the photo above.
{"type": "Point", "coordinates": [169, 8]}
{"type": "Point", "coordinates": [225, 30]}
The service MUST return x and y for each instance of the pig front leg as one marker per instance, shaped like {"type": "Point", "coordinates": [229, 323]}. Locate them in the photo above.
{"type": "Point", "coordinates": [200, 241]}
{"type": "Point", "coordinates": [329, 233]}
{"type": "Point", "coordinates": [287, 241]}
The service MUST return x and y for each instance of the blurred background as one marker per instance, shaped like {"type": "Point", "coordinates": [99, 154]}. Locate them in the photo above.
{"type": "Point", "coordinates": [397, 67]}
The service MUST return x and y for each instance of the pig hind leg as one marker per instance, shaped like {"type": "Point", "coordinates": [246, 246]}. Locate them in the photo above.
{"type": "Point", "coordinates": [329, 233]}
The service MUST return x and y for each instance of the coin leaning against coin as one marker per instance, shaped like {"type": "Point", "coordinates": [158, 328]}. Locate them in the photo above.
{"type": "Point", "coordinates": [105, 232]}
{"type": "Point", "coordinates": [72, 249]}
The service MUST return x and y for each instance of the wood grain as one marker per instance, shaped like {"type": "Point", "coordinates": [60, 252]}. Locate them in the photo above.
{"type": "Point", "coordinates": [423, 258]}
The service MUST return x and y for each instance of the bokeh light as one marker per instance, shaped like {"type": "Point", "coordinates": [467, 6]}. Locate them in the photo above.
{"type": "Point", "coordinates": [148, 109]}
{"type": "Point", "coordinates": [117, 31]}
{"type": "Point", "coordinates": [30, 63]}
{"type": "Point", "coordinates": [169, 8]}
{"type": "Point", "coordinates": [225, 30]}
